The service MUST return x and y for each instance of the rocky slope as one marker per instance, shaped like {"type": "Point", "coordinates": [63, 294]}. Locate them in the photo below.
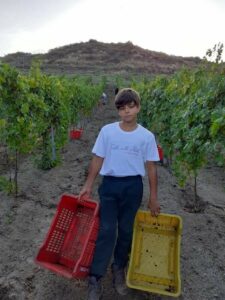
{"type": "Point", "coordinates": [97, 58]}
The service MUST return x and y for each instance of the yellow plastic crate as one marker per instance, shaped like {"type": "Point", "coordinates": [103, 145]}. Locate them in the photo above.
{"type": "Point", "coordinates": [155, 255]}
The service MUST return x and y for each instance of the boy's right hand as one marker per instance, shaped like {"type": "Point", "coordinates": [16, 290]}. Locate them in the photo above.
{"type": "Point", "coordinates": [85, 192]}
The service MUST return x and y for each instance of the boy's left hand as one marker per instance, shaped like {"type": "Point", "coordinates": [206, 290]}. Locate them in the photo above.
{"type": "Point", "coordinates": [154, 207]}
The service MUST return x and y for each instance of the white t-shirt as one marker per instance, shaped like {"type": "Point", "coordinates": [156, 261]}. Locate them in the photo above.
{"type": "Point", "coordinates": [125, 152]}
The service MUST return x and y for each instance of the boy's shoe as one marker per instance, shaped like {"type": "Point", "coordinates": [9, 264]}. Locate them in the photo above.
{"type": "Point", "coordinates": [119, 281]}
{"type": "Point", "coordinates": [95, 289]}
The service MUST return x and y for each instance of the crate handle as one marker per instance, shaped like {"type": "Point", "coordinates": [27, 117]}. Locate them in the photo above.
{"type": "Point", "coordinates": [84, 198]}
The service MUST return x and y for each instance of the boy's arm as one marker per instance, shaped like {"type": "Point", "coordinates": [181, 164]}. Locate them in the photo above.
{"type": "Point", "coordinates": [153, 183]}
{"type": "Point", "coordinates": [94, 169]}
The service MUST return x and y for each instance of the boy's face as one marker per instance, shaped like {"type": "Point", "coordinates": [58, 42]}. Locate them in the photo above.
{"type": "Point", "coordinates": [128, 112]}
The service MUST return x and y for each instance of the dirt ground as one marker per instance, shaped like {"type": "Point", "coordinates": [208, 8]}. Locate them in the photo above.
{"type": "Point", "coordinates": [25, 221]}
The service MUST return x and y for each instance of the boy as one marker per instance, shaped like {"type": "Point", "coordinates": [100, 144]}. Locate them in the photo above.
{"type": "Point", "coordinates": [121, 152]}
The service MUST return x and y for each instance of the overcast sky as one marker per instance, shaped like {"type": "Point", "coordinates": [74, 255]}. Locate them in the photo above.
{"type": "Point", "coordinates": [177, 27]}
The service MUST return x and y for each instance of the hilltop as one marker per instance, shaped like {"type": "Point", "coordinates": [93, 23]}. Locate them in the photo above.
{"type": "Point", "coordinates": [97, 58]}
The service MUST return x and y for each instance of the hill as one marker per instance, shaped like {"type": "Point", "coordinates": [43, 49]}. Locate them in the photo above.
{"type": "Point", "coordinates": [97, 58]}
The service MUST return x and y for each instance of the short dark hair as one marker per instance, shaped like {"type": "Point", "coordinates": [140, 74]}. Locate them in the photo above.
{"type": "Point", "coordinates": [126, 96]}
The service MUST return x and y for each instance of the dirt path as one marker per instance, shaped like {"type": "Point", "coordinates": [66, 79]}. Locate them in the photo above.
{"type": "Point", "coordinates": [25, 221]}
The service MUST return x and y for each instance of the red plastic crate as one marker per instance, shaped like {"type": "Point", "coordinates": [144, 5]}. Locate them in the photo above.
{"type": "Point", "coordinates": [160, 151]}
{"type": "Point", "coordinates": [70, 242]}
{"type": "Point", "coordinates": [76, 134]}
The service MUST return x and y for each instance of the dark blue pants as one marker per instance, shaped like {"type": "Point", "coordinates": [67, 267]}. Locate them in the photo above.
{"type": "Point", "coordinates": [120, 198]}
